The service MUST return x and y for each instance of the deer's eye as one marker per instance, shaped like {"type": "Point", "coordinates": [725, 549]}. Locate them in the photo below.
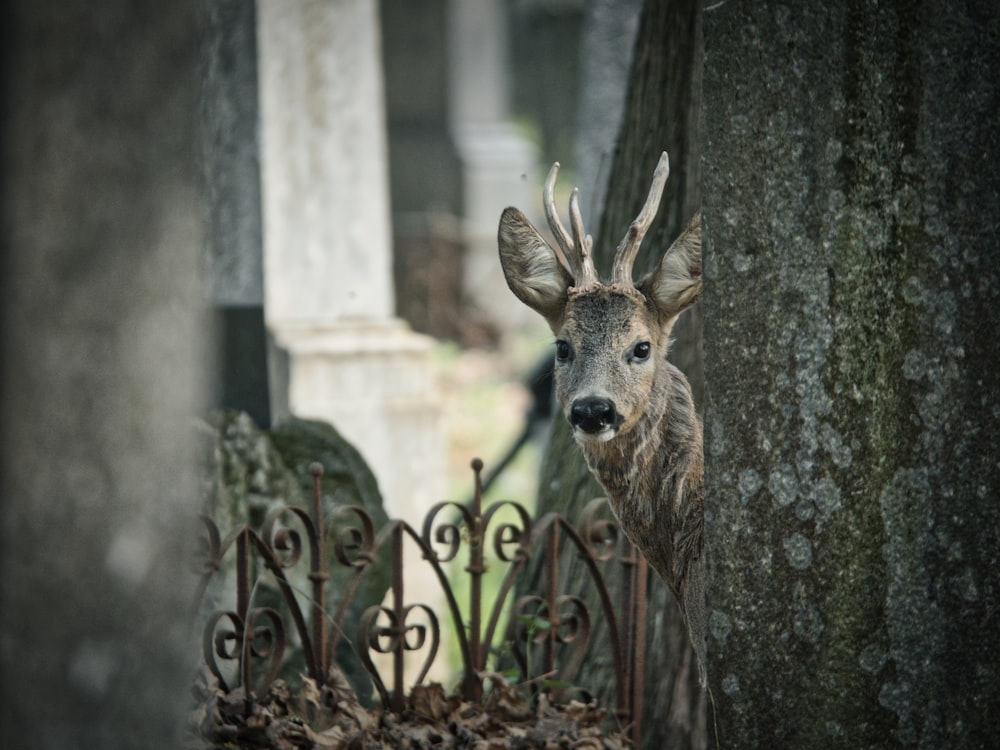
{"type": "Point", "coordinates": [562, 351]}
{"type": "Point", "coordinates": [641, 351]}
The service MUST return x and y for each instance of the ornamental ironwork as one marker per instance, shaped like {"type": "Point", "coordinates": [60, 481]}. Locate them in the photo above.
{"type": "Point", "coordinates": [280, 600]}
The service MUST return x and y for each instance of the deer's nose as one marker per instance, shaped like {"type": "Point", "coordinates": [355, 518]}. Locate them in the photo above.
{"type": "Point", "coordinates": [593, 414]}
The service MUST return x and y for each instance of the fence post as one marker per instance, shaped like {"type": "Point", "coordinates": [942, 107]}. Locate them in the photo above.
{"type": "Point", "coordinates": [475, 569]}
{"type": "Point", "coordinates": [318, 575]}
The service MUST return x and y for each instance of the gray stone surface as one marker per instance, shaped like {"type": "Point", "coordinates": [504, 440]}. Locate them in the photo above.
{"type": "Point", "coordinates": [851, 307]}
{"type": "Point", "coordinates": [230, 154]}
{"type": "Point", "coordinates": [498, 158]}
{"type": "Point", "coordinates": [326, 221]}
{"type": "Point", "coordinates": [424, 168]}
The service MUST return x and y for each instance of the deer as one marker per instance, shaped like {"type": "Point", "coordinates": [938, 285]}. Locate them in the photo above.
{"type": "Point", "coordinates": [631, 411]}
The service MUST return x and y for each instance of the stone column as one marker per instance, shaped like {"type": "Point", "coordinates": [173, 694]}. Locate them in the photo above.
{"type": "Point", "coordinates": [425, 174]}
{"type": "Point", "coordinates": [852, 303]}
{"type": "Point", "coordinates": [498, 163]}
{"type": "Point", "coordinates": [327, 261]}
{"type": "Point", "coordinates": [230, 163]}
{"type": "Point", "coordinates": [102, 354]}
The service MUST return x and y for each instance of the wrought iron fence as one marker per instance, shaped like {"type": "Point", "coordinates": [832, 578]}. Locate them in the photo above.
{"type": "Point", "coordinates": [546, 634]}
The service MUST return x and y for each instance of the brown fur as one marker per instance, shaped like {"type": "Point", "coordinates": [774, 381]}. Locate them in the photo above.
{"type": "Point", "coordinates": [650, 460]}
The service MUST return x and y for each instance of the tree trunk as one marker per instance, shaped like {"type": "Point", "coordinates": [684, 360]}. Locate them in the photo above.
{"type": "Point", "coordinates": [851, 318]}
{"type": "Point", "coordinates": [661, 113]}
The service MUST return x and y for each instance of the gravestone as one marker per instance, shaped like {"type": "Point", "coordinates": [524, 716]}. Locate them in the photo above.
{"type": "Point", "coordinates": [328, 295]}
{"type": "Point", "coordinates": [328, 292]}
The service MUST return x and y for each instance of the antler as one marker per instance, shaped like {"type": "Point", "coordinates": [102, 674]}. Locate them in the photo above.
{"type": "Point", "coordinates": [573, 254]}
{"type": "Point", "coordinates": [628, 248]}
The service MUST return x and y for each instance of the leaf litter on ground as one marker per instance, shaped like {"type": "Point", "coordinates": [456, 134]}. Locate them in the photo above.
{"type": "Point", "coordinates": [330, 717]}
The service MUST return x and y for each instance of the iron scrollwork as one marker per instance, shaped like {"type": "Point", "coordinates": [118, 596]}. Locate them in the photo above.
{"type": "Point", "coordinates": [550, 631]}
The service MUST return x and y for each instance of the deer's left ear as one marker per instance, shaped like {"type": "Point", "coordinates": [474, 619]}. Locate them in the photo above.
{"type": "Point", "coordinates": [675, 285]}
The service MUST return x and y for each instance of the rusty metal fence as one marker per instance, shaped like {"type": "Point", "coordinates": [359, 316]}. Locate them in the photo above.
{"type": "Point", "coordinates": [543, 635]}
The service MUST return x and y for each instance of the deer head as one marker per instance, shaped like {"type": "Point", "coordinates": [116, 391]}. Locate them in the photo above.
{"type": "Point", "coordinates": [611, 338]}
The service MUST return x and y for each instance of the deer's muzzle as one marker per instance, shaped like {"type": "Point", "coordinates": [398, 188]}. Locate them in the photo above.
{"type": "Point", "coordinates": [594, 414]}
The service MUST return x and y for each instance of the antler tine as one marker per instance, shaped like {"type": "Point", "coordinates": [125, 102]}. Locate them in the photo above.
{"type": "Point", "coordinates": [583, 242]}
{"type": "Point", "coordinates": [564, 251]}
{"type": "Point", "coordinates": [628, 248]}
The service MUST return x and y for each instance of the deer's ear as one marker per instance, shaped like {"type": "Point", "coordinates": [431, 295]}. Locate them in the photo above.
{"type": "Point", "coordinates": [675, 285]}
{"type": "Point", "coordinates": [531, 268]}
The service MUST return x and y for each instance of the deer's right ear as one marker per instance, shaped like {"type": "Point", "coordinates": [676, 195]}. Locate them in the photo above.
{"type": "Point", "coordinates": [531, 268]}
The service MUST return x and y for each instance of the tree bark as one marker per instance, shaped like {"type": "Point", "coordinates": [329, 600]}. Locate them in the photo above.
{"type": "Point", "coordinates": [661, 114]}
{"type": "Point", "coordinates": [851, 309]}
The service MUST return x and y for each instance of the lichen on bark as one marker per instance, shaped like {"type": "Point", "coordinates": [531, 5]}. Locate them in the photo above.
{"type": "Point", "coordinates": [849, 275]}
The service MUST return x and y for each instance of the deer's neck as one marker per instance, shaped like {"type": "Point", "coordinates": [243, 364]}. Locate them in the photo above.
{"type": "Point", "coordinates": [650, 465]}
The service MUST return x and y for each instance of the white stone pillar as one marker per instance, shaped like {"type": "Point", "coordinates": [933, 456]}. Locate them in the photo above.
{"type": "Point", "coordinates": [326, 217]}
{"type": "Point", "coordinates": [327, 253]}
